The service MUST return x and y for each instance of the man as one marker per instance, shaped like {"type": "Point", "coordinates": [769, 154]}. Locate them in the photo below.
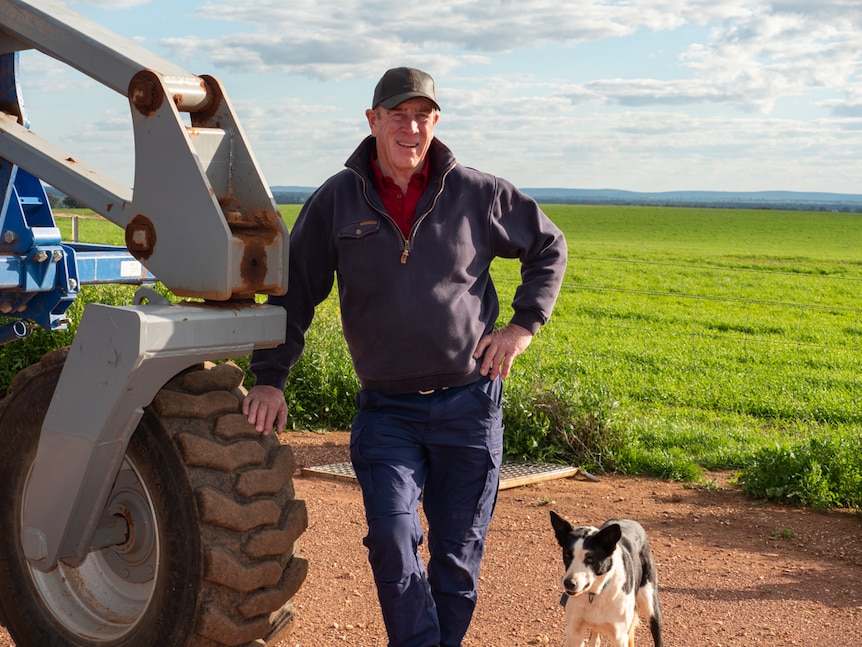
{"type": "Point", "coordinates": [410, 235]}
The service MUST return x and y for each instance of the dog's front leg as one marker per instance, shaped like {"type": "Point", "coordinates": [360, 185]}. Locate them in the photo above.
{"type": "Point", "coordinates": [622, 637]}
{"type": "Point", "coordinates": [576, 634]}
{"type": "Point", "coordinates": [633, 629]}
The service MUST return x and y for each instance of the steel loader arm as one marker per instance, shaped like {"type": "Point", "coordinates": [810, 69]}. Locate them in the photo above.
{"type": "Point", "coordinates": [200, 217]}
{"type": "Point", "coordinates": [199, 200]}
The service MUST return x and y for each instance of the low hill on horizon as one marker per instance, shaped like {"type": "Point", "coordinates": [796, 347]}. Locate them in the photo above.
{"type": "Point", "coordinates": [739, 199]}
{"type": "Point", "coordinates": [791, 200]}
{"type": "Point", "coordinates": [779, 200]}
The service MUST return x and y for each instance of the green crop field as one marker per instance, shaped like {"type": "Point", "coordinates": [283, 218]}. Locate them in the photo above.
{"type": "Point", "coordinates": [704, 337]}
{"type": "Point", "coordinates": [684, 340]}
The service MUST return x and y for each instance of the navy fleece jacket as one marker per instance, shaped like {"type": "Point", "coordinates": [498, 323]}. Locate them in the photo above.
{"type": "Point", "coordinates": [414, 309]}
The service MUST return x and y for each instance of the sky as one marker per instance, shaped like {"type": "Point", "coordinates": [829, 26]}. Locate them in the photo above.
{"type": "Point", "coordinates": [640, 95]}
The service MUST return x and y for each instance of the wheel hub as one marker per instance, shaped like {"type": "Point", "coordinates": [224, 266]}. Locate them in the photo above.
{"type": "Point", "coordinates": [135, 559]}
{"type": "Point", "coordinates": [107, 594]}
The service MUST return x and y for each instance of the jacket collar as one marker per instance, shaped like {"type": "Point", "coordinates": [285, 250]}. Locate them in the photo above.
{"type": "Point", "coordinates": [441, 159]}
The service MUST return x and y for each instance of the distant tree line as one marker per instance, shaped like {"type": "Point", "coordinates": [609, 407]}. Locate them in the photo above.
{"type": "Point", "coordinates": [299, 196]}
{"type": "Point", "coordinates": [826, 207]}
{"type": "Point", "coordinates": [64, 202]}
{"type": "Point", "coordinates": [290, 197]}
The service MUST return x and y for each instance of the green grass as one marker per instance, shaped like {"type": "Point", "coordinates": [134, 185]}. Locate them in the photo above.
{"type": "Point", "coordinates": [716, 334]}
{"type": "Point", "coordinates": [91, 229]}
{"type": "Point", "coordinates": [684, 340]}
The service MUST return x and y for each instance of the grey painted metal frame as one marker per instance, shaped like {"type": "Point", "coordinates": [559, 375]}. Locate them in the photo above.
{"type": "Point", "coordinates": [120, 358]}
{"type": "Point", "coordinates": [199, 199]}
{"type": "Point", "coordinates": [200, 218]}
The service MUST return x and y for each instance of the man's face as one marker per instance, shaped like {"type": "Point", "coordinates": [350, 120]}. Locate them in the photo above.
{"type": "Point", "coordinates": [403, 135]}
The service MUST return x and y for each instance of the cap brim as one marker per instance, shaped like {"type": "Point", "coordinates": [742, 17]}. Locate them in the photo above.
{"type": "Point", "coordinates": [398, 99]}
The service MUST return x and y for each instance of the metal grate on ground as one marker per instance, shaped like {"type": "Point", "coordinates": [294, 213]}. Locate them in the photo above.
{"type": "Point", "coordinates": [511, 474]}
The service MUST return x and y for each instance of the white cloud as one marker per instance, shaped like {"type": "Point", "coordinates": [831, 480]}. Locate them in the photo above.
{"type": "Point", "coordinates": [316, 38]}
{"type": "Point", "coordinates": [113, 5]}
{"type": "Point", "coordinates": [770, 55]}
{"type": "Point", "coordinates": [637, 94]}
{"type": "Point", "coordinates": [755, 54]}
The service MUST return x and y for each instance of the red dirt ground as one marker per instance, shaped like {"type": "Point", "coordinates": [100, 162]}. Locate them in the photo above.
{"type": "Point", "coordinates": [732, 571]}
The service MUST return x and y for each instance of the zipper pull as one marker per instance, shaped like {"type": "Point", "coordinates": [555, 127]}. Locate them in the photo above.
{"type": "Point", "coordinates": [404, 255]}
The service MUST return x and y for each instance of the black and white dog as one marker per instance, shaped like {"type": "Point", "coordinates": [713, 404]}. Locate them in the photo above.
{"type": "Point", "coordinates": [610, 577]}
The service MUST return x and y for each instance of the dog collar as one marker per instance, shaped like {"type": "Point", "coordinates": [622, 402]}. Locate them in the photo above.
{"type": "Point", "coordinates": [604, 586]}
{"type": "Point", "coordinates": [592, 595]}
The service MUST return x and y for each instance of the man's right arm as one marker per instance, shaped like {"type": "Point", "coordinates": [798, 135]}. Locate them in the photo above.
{"type": "Point", "coordinates": [311, 276]}
{"type": "Point", "coordinates": [266, 409]}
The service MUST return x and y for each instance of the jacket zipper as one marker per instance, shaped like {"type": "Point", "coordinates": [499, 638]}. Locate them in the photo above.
{"type": "Point", "coordinates": [405, 249]}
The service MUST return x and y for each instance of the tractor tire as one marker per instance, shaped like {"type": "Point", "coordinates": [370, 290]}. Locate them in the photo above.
{"type": "Point", "coordinates": [212, 526]}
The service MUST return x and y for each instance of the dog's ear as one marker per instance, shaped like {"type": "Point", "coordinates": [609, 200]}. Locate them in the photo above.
{"type": "Point", "coordinates": [609, 536]}
{"type": "Point", "coordinates": [562, 528]}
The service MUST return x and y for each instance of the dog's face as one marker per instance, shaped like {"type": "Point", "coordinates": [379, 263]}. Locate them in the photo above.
{"type": "Point", "coordinates": [587, 553]}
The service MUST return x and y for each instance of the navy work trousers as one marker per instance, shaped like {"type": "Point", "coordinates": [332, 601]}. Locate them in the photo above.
{"type": "Point", "coordinates": [444, 448]}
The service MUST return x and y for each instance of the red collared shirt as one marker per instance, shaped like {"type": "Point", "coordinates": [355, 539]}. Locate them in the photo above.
{"type": "Point", "coordinates": [400, 206]}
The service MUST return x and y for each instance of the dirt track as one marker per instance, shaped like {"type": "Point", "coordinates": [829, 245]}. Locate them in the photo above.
{"type": "Point", "coordinates": [733, 571]}
{"type": "Point", "coordinates": [730, 572]}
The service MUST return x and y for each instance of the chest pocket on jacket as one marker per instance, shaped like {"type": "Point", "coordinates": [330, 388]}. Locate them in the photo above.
{"type": "Point", "coordinates": [359, 228]}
